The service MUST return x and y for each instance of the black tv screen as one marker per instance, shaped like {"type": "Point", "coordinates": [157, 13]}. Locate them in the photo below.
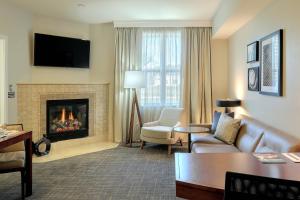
{"type": "Point", "coordinates": [56, 51]}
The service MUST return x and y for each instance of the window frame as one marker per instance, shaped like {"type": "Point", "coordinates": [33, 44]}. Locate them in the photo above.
{"type": "Point", "coordinates": [163, 71]}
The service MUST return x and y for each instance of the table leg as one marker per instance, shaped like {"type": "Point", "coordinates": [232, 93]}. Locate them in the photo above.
{"type": "Point", "coordinates": [28, 166]}
{"type": "Point", "coordinates": [189, 142]}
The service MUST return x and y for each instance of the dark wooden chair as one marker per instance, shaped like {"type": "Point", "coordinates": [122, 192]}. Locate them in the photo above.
{"type": "Point", "coordinates": [249, 187]}
{"type": "Point", "coordinates": [12, 158]}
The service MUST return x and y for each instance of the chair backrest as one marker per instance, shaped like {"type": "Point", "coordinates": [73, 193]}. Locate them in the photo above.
{"type": "Point", "coordinates": [249, 187]}
{"type": "Point", "coordinates": [170, 116]}
{"type": "Point", "coordinates": [16, 147]}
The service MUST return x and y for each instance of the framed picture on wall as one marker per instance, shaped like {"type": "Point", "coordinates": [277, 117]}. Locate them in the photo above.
{"type": "Point", "coordinates": [253, 52]}
{"type": "Point", "coordinates": [253, 79]}
{"type": "Point", "coordinates": [271, 64]}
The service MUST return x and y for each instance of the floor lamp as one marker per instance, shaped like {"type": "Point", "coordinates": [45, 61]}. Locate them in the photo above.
{"type": "Point", "coordinates": [134, 80]}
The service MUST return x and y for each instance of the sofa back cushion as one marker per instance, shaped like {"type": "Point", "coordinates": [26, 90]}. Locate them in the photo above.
{"type": "Point", "coordinates": [249, 135]}
{"type": "Point", "coordinates": [266, 138]}
{"type": "Point", "coordinates": [274, 140]}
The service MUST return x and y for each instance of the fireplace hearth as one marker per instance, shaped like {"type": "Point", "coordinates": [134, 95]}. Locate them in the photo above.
{"type": "Point", "coordinates": [67, 119]}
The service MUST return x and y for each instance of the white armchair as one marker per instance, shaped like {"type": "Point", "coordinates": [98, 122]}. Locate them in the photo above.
{"type": "Point", "coordinates": [161, 131]}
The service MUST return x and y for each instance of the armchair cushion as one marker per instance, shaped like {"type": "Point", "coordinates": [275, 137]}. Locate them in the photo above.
{"type": "Point", "coordinates": [159, 132]}
{"type": "Point", "coordinates": [148, 124]}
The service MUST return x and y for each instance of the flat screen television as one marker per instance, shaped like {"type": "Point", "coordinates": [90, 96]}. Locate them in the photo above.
{"type": "Point", "coordinates": [56, 51]}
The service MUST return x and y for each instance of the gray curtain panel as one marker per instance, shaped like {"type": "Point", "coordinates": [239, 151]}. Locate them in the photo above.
{"type": "Point", "coordinates": [126, 40]}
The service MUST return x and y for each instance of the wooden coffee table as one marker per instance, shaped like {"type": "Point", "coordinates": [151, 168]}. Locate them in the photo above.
{"type": "Point", "coordinates": [203, 174]}
{"type": "Point", "coordinates": [189, 130]}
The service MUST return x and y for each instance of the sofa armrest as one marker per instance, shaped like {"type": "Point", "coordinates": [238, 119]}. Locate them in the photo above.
{"type": "Point", "coordinates": [154, 123]}
{"type": "Point", "coordinates": [202, 125]}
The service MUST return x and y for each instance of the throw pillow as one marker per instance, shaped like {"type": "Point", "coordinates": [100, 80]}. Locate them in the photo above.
{"type": "Point", "coordinates": [216, 118]}
{"type": "Point", "coordinates": [227, 129]}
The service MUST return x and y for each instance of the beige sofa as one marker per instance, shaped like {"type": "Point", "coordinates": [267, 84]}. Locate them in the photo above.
{"type": "Point", "coordinates": [253, 136]}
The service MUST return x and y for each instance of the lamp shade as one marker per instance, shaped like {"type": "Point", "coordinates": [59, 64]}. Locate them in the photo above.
{"type": "Point", "coordinates": [134, 79]}
{"type": "Point", "coordinates": [228, 102]}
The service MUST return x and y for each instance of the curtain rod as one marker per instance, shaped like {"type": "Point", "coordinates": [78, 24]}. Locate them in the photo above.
{"type": "Point", "coordinates": [159, 23]}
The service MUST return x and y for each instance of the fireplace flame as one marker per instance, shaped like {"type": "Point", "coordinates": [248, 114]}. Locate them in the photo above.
{"type": "Point", "coordinates": [71, 117]}
{"type": "Point", "coordinates": [63, 115]}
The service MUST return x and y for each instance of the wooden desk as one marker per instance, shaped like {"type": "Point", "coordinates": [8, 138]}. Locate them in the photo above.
{"type": "Point", "coordinates": [27, 138]}
{"type": "Point", "coordinates": [203, 175]}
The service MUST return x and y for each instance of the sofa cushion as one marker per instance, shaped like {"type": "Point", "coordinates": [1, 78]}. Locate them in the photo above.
{"type": "Point", "coordinates": [264, 149]}
{"type": "Point", "coordinates": [216, 119]}
{"type": "Point", "coordinates": [213, 148]}
{"type": "Point", "coordinates": [227, 129]}
{"type": "Point", "coordinates": [249, 135]}
{"type": "Point", "coordinates": [159, 132]}
{"type": "Point", "coordinates": [205, 138]}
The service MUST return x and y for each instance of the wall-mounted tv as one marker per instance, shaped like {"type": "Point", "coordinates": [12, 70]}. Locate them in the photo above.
{"type": "Point", "coordinates": [56, 51]}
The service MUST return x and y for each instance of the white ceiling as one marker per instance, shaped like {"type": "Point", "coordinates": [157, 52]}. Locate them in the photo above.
{"type": "Point", "coordinates": [97, 11]}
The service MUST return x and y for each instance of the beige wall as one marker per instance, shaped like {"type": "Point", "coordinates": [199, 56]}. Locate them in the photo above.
{"type": "Point", "coordinates": [280, 112]}
{"type": "Point", "coordinates": [102, 57]}
{"type": "Point", "coordinates": [234, 14]}
{"type": "Point", "coordinates": [19, 26]}
{"type": "Point", "coordinates": [103, 61]}
{"type": "Point", "coordinates": [16, 24]}
{"type": "Point", "coordinates": [219, 70]}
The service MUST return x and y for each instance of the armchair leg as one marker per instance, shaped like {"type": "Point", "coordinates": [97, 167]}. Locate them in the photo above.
{"type": "Point", "coordinates": [169, 149]}
{"type": "Point", "coordinates": [142, 144]}
{"type": "Point", "coordinates": [23, 184]}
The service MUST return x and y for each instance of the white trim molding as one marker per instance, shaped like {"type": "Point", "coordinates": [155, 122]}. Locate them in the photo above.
{"type": "Point", "coordinates": [3, 81]}
{"type": "Point", "coordinates": [162, 23]}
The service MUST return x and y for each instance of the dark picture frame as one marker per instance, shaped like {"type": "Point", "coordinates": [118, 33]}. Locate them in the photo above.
{"type": "Point", "coordinates": [271, 63]}
{"type": "Point", "coordinates": [253, 52]}
{"type": "Point", "coordinates": [253, 79]}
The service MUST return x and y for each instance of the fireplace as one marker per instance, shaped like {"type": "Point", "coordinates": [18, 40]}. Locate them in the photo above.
{"type": "Point", "coordinates": [67, 119]}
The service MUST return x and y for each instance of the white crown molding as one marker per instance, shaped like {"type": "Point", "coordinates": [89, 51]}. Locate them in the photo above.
{"type": "Point", "coordinates": [162, 23]}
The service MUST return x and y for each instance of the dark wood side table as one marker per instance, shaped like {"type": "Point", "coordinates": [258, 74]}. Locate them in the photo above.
{"type": "Point", "coordinates": [189, 130]}
{"type": "Point", "coordinates": [27, 138]}
{"type": "Point", "coordinates": [203, 174]}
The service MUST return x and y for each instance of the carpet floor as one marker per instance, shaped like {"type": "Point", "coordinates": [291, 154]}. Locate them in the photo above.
{"type": "Point", "coordinates": [119, 173]}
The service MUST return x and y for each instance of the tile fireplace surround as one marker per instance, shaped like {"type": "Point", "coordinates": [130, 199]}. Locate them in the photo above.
{"type": "Point", "coordinates": [31, 100]}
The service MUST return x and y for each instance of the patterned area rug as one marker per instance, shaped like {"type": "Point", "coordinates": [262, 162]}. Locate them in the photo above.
{"type": "Point", "coordinates": [120, 173]}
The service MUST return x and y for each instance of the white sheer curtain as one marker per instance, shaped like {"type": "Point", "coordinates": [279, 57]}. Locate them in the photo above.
{"type": "Point", "coordinates": [161, 60]}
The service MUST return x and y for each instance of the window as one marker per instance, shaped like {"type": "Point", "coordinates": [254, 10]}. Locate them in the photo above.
{"type": "Point", "coordinates": [161, 62]}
